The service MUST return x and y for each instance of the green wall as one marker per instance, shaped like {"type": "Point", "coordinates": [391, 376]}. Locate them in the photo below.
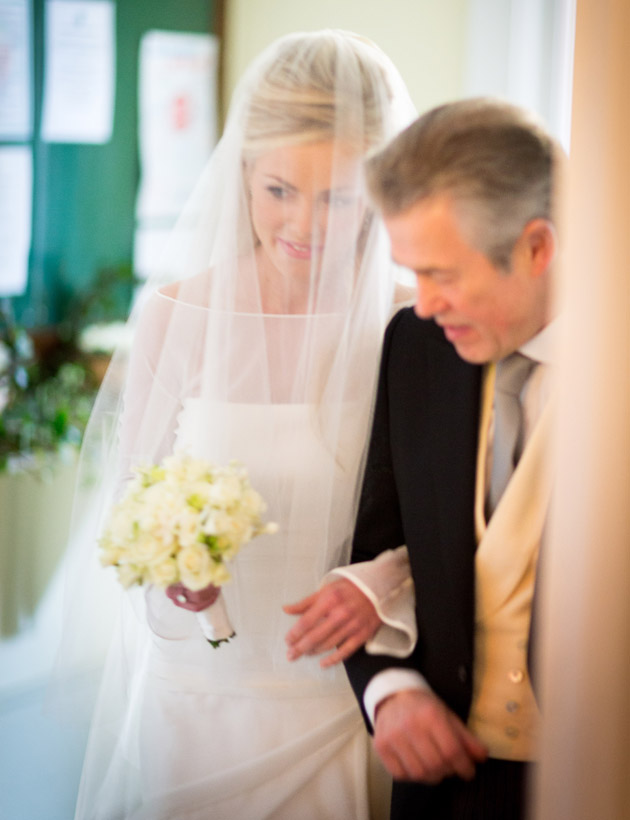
{"type": "Point", "coordinates": [84, 195]}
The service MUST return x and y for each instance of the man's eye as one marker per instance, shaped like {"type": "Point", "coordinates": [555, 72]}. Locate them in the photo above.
{"type": "Point", "coordinates": [444, 277]}
{"type": "Point", "coordinates": [341, 200]}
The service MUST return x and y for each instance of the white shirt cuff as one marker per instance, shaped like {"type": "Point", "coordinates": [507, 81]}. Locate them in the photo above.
{"type": "Point", "coordinates": [387, 683]}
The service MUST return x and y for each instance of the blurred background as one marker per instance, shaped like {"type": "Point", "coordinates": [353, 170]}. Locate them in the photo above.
{"type": "Point", "coordinates": [108, 111]}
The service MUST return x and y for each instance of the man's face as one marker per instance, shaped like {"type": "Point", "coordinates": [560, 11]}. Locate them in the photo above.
{"type": "Point", "coordinates": [486, 312]}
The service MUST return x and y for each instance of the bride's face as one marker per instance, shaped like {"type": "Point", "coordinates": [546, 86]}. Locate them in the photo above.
{"type": "Point", "coordinates": [297, 212]}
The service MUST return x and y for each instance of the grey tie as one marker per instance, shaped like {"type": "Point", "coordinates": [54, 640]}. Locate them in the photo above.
{"type": "Point", "coordinates": [507, 446]}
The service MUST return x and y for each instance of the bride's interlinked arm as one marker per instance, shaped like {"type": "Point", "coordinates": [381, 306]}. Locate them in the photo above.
{"type": "Point", "coordinates": [371, 603]}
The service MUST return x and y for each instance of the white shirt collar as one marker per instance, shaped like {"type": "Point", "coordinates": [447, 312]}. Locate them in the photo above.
{"type": "Point", "coordinates": [542, 347]}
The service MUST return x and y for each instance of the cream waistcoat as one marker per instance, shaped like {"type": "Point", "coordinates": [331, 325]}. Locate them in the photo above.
{"type": "Point", "coordinates": [504, 714]}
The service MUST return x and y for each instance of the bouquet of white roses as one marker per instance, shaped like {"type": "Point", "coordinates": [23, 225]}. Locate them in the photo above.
{"type": "Point", "coordinates": [182, 522]}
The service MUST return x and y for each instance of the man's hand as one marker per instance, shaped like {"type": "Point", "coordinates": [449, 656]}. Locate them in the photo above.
{"type": "Point", "coordinates": [419, 738]}
{"type": "Point", "coordinates": [338, 616]}
{"type": "Point", "coordinates": [192, 601]}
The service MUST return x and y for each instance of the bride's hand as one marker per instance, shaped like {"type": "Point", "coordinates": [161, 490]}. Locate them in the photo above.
{"type": "Point", "coordinates": [193, 601]}
{"type": "Point", "coordinates": [338, 617]}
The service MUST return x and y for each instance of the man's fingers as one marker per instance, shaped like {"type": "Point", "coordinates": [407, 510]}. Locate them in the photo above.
{"type": "Point", "coordinates": [428, 741]}
{"type": "Point", "coordinates": [455, 744]}
{"type": "Point", "coordinates": [455, 757]}
{"type": "Point", "coordinates": [393, 760]}
{"type": "Point", "coordinates": [474, 747]}
{"type": "Point", "coordinates": [413, 758]}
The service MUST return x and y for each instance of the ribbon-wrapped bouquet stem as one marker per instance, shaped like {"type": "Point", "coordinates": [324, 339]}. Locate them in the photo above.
{"type": "Point", "coordinates": [181, 522]}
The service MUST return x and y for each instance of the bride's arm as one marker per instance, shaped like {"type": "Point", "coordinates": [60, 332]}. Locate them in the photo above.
{"type": "Point", "coordinates": [371, 603]}
{"type": "Point", "coordinates": [150, 400]}
{"type": "Point", "coordinates": [150, 407]}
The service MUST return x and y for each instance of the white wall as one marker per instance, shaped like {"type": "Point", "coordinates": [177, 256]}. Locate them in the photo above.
{"type": "Point", "coordinates": [523, 51]}
{"type": "Point", "coordinates": [424, 38]}
{"type": "Point", "coordinates": [520, 50]}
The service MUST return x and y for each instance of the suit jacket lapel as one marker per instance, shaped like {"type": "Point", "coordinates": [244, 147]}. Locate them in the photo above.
{"type": "Point", "coordinates": [455, 391]}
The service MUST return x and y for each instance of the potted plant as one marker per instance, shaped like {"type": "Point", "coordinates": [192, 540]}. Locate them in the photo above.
{"type": "Point", "coordinates": [46, 395]}
{"type": "Point", "coordinates": [97, 316]}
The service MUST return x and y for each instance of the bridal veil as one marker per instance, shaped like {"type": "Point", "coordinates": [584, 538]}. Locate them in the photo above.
{"type": "Point", "coordinates": [266, 324]}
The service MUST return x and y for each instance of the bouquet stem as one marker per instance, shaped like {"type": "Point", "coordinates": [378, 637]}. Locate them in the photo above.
{"type": "Point", "coordinates": [214, 623]}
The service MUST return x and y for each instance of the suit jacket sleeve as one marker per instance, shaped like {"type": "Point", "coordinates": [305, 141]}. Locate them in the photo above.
{"type": "Point", "coordinates": [418, 490]}
{"type": "Point", "coordinates": [379, 524]}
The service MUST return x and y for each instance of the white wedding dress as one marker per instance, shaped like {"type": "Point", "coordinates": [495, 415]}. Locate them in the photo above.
{"type": "Point", "coordinates": [239, 732]}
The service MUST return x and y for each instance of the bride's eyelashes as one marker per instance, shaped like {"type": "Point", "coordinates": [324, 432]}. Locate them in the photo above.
{"type": "Point", "coordinates": [277, 191]}
{"type": "Point", "coordinates": [336, 199]}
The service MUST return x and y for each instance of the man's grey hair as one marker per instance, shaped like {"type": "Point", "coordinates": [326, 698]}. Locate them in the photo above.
{"type": "Point", "coordinates": [493, 158]}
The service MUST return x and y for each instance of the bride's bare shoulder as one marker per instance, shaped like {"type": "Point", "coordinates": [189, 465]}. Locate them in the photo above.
{"type": "Point", "coordinates": [193, 290]}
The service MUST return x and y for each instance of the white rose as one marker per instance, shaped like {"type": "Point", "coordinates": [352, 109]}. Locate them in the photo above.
{"type": "Point", "coordinates": [121, 524]}
{"type": "Point", "coordinates": [164, 574]}
{"type": "Point", "coordinates": [174, 469]}
{"type": "Point", "coordinates": [252, 503]}
{"type": "Point", "coordinates": [188, 527]}
{"type": "Point", "coordinates": [197, 470]}
{"type": "Point", "coordinates": [220, 574]}
{"type": "Point", "coordinates": [195, 566]}
{"type": "Point", "coordinates": [147, 550]}
{"type": "Point", "coordinates": [226, 492]}
{"type": "Point", "coordinates": [128, 574]}
{"type": "Point", "coordinates": [229, 549]}
{"type": "Point", "coordinates": [240, 531]}
{"type": "Point", "coordinates": [216, 522]}
{"type": "Point", "coordinates": [161, 511]}
{"type": "Point", "coordinates": [110, 556]}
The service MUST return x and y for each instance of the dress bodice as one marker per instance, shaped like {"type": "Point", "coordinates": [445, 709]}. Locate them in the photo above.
{"type": "Point", "coordinates": [309, 487]}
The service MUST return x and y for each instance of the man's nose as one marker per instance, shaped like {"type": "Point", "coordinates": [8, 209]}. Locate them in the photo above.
{"type": "Point", "coordinates": [429, 299]}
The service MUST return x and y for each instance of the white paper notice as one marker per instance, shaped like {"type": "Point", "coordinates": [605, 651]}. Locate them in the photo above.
{"type": "Point", "coordinates": [79, 71]}
{"type": "Point", "coordinates": [177, 81]}
{"type": "Point", "coordinates": [16, 190]}
{"type": "Point", "coordinates": [15, 74]}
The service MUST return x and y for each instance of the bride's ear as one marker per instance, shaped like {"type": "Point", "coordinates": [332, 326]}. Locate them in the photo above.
{"type": "Point", "coordinates": [246, 168]}
{"type": "Point", "coordinates": [366, 224]}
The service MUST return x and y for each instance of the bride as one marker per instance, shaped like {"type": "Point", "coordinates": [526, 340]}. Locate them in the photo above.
{"type": "Point", "coordinates": [263, 347]}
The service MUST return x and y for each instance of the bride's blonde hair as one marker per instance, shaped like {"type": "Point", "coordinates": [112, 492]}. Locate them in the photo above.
{"type": "Point", "coordinates": [309, 93]}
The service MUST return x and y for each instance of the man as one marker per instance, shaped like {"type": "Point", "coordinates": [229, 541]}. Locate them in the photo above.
{"type": "Point", "coordinates": [466, 195]}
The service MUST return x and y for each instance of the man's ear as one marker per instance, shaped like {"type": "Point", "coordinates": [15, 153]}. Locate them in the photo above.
{"type": "Point", "coordinates": [538, 243]}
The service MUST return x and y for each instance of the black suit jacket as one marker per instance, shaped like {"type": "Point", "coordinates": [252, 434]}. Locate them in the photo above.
{"type": "Point", "coordinates": [419, 490]}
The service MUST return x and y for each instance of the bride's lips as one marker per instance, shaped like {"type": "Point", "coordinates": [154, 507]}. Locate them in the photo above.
{"type": "Point", "coordinates": [296, 250]}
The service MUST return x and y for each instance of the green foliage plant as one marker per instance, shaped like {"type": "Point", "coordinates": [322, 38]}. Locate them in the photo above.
{"type": "Point", "coordinates": [46, 396]}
